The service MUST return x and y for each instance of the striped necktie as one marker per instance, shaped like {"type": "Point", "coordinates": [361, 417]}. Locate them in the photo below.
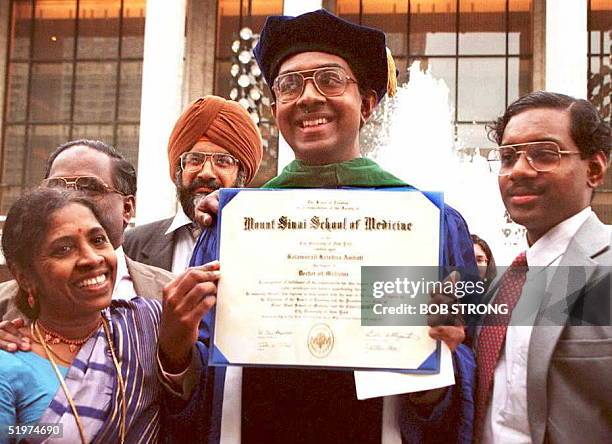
{"type": "Point", "coordinates": [493, 334]}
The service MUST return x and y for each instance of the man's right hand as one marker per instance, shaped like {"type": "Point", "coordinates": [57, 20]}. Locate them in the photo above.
{"type": "Point", "coordinates": [206, 209]}
{"type": "Point", "coordinates": [11, 339]}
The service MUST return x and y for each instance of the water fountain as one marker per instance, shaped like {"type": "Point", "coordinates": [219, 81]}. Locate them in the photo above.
{"type": "Point", "coordinates": [415, 133]}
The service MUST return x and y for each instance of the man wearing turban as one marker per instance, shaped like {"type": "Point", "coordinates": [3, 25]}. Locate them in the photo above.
{"type": "Point", "coordinates": [214, 144]}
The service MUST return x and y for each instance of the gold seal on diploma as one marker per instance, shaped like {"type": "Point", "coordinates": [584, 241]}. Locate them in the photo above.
{"type": "Point", "coordinates": [320, 340]}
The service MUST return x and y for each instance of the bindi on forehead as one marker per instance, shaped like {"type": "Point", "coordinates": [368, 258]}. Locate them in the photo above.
{"type": "Point", "coordinates": [67, 228]}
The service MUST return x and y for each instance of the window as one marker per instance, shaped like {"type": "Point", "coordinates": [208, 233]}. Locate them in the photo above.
{"type": "Point", "coordinates": [482, 49]}
{"type": "Point", "coordinates": [600, 66]}
{"type": "Point", "coordinates": [600, 86]}
{"type": "Point", "coordinates": [74, 71]}
{"type": "Point", "coordinates": [234, 16]}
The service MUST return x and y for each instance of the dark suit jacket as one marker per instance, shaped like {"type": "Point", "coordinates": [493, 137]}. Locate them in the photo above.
{"type": "Point", "coordinates": [150, 245]}
{"type": "Point", "coordinates": [148, 282]}
{"type": "Point", "coordinates": [569, 364]}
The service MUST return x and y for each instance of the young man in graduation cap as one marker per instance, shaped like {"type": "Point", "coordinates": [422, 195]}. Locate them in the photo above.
{"type": "Point", "coordinates": [327, 76]}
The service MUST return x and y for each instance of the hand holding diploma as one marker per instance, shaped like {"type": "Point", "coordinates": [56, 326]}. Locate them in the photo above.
{"type": "Point", "coordinates": [186, 300]}
{"type": "Point", "coordinates": [423, 389]}
{"type": "Point", "coordinates": [450, 327]}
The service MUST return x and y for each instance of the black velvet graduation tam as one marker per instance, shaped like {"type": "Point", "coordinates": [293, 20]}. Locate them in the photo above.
{"type": "Point", "coordinates": [363, 48]}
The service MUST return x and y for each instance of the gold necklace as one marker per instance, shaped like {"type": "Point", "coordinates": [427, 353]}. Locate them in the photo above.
{"type": "Point", "coordinates": [55, 338]}
{"type": "Point", "coordinates": [77, 418]}
{"type": "Point", "coordinates": [55, 353]}
{"type": "Point", "coordinates": [123, 417]}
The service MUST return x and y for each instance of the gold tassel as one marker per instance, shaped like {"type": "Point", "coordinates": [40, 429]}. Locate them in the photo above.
{"type": "Point", "coordinates": [391, 75]}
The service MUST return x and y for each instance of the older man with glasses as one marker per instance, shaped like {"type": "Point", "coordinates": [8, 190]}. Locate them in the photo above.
{"type": "Point", "coordinates": [103, 175]}
{"type": "Point", "coordinates": [90, 185]}
{"type": "Point", "coordinates": [548, 379]}
{"type": "Point", "coordinates": [214, 144]}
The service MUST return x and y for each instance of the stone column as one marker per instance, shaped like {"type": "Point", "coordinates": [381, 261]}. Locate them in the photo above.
{"type": "Point", "coordinates": [566, 47]}
{"type": "Point", "coordinates": [200, 49]}
{"type": "Point", "coordinates": [162, 76]}
{"type": "Point", "coordinates": [538, 34]}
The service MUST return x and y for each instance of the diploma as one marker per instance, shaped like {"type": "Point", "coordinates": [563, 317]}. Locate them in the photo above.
{"type": "Point", "coordinates": [290, 291]}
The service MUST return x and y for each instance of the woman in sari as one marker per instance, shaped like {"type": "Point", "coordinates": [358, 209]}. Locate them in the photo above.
{"type": "Point", "coordinates": [92, 368]}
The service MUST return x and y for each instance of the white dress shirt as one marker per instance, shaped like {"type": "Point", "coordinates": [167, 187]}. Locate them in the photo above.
{"type": "Point", "coordinates": [124, 286]}
{"type": "Point", "coordinates": [506, 421]}
{"type": "Point", "coordinates": [184, 240]}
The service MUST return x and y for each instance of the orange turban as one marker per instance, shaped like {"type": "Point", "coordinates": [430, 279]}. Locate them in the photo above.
{"type": "Point", "coordinates": [224, 123]}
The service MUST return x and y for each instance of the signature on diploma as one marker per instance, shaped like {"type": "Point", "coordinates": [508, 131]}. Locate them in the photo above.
{"type": "Point", "coordinates": [273, 339]}
{"type": "Point", "coordinates": [382, 347]}
{"type": "Point", "coordinates": [263, 345]}
{"type": "Point", "coordinates": [392, 335]}
{"type": "Point", "coordinates": [272, 334]}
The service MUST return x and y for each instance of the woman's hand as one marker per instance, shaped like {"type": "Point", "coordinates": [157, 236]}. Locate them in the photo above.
{"type": "Point", "coordinates": [186, 300]}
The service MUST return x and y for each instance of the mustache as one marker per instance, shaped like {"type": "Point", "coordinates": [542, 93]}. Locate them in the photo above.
{"type": "Point", "coordinates": [187, 194]}
{"type": "Point", "coordinates": [523, 188]}
{"type": "Point", "coordinates": [200, 183]}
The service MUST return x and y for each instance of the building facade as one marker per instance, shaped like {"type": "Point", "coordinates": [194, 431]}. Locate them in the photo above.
{"type": "Point", "coordinates": [122, 70]}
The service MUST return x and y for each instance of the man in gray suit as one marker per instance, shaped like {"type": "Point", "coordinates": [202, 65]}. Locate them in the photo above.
{"type": "Point", "coordinates": [102, 174]}
{"type": "Point", "coordinates": [551, 381]}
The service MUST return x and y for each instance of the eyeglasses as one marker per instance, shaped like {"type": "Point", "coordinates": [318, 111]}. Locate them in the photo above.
{"type": "Point", "coordinates": [87, 184]}
{"type": "Point", "coordinates": [329, 81]}
{"type": "Point", "coordinates": [541, 156]}
{"type": "Point", "coordinates": [193, 161]}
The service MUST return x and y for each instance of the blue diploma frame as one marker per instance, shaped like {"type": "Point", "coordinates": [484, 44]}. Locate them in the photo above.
{"type": "Point", "coordinates": [431, 365]}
